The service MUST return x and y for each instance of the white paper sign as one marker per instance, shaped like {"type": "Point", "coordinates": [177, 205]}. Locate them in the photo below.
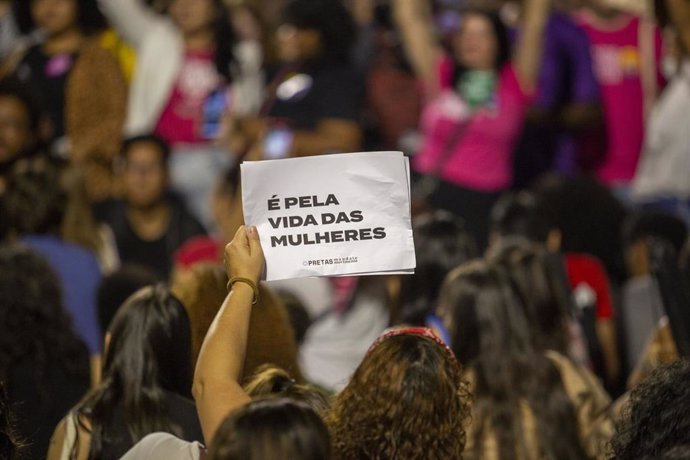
{"type": "Point", "coordinates": [330, 215]}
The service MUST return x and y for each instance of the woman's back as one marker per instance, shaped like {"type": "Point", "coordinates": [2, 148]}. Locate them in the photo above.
{"type": "Point", "coordinates": [590, 404]}
{"type": "Point", "coordinates": [178, 409]}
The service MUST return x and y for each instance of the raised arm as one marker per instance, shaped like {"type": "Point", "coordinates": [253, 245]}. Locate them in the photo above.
{"type": "Point", "coordinates": [217, 388]}
{"type": "Point", "coordinates": [413, 19]}
{"type": "Point", "coordinates": [132, 19]}
{"type": "Point", "coordinates": [529, 49]}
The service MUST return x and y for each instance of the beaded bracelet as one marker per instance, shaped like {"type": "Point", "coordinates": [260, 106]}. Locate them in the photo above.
{"type": "Point", "coordinates": [247, 281]}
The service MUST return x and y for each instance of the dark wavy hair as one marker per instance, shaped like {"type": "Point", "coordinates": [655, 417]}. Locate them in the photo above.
{"type": "Point", "coordinates": [34, 325]}
{"type": "Point", "coordinates": [272, 428]}
{"type": "Point", "coordinates": [491, 337]}
{"type": "Point", "coordinates": [542, 292]}
{"type": "Point", "coordinates": [407, 399]}
{"type": "Point", "coordinates": [656, 418]}
{"type": "Point", "coordinates": [441, 244]}
{"type": "Point", "coordinates": [35, 201]}
{"type": "Point", "coordinates": [89, 17]}
{"type": "Point", "coordinates": [330, 19]}
{"type": "Point", "coordinates": [149, 353]}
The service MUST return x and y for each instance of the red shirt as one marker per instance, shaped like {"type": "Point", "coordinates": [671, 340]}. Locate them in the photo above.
{"type": "Point", "coordinates": [181, 118]}
{"type": "Point", "coordinates": [586, 272]}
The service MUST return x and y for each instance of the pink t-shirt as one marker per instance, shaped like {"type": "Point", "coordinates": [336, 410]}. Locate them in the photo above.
{"type": "Point", "coordinates": [481, 158]}
{"type": "Point", "coordinates": [181, 119]}
{"type": "Point", "coordinates": [617, 65]}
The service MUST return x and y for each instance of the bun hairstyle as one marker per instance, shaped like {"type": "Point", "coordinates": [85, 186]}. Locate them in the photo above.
{"type": "Point", "coordinates": [269, 380]}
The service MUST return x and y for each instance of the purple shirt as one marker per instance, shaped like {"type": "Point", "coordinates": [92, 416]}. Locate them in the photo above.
{"type": "Point", "coordinates": [566, 74]}
{"type": "Point", "coordinates": [566, 77]}
{"type": "Point", "coordinates": [79, 275]}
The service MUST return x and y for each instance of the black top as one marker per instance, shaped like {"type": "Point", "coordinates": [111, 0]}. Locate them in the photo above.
{"type": "Point", "coordinates": [47, 77]}
{"type": "Point", "coordinates": [307, 96]}
{"type": "Point", "coordinates": [180, 411]}
{"type": "Point", "coordinates": [39, 407]}
{"type": "Point", "coordinates": [154, 254]}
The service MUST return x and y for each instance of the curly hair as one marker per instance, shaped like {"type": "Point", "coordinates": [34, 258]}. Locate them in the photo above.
{"type": "Point", "coordinates": [406, 400]}
{"type": "Point", "coordinates": [35, 201]}
{"type": "Point", "coordinates": [34, 325]}
{"type": "Point", "coordinates": [656, 418]}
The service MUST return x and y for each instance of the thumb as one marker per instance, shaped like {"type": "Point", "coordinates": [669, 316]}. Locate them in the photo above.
{"type": "Point", "coordinates": [254, 242]}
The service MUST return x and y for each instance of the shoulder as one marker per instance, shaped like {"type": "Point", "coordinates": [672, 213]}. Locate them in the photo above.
{"type": "Point", "coordinates": [163, 446]}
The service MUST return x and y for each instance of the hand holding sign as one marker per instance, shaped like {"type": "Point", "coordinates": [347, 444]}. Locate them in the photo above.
{"type": "Point", "coordinates": [331, 215]}
{"type": "Point", "coordinates": [243, 255]}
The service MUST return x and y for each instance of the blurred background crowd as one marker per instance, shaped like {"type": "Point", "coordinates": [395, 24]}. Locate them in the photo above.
{"type": "Point", "coordinates": [550, 148]}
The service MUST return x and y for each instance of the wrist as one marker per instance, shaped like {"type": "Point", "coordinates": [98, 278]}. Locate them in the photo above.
{"type": "Point", "coordinates": [245, 285]}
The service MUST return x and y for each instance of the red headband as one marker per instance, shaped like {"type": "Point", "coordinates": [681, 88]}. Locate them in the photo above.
{"type": "Point", "coordinates": [420, 331]}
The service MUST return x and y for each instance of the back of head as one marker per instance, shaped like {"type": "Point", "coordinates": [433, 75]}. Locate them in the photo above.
{"type": "Point", "coordinates": [148, 353]}
{"type": "Point", "coordinates": [35, 202]}
{"type": "Point", "coordinates": [271, 380]}
{"type": "Point", "coordinates": [484, 316]}
{"type": "Point", "coordinates": [520, 215]}
{"type": "Point", "coordinates": [150, 342]}
{"type": "Point", "coordinates": [269, 429]}
{"type": "Point", "coordinates": [406, 400]}
{"type": "Point", "coordinates": [654, 224]}
{"type": "Point", "coordinates": [655, 419]}
{"type": "Point", "coordinates": [271, 339]}
{"type": "Point", "coordinates": [588, 216]}
{"type": "Point", "coordinates": [118, 287]}
{"type": "Point", "coordinates": [542, 287]}
{"type": "Point", "coordinates": [34, 326]}
{"type": "Point", "coordinates": [441, 244]}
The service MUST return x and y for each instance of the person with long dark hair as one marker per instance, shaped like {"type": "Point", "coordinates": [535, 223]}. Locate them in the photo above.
{"type": "Point", "coordinates": [43, 364]}
{"type": "Point", "coordinates": [528, 403]}
{"type": "Point", "coordinates": [186, 65]}
{"type": "Point", "coordinates": [313, 101]}
{"type": "Point", "coordinates": [477, 98]}
{"type": "Point", "coordinates": [146, 382]}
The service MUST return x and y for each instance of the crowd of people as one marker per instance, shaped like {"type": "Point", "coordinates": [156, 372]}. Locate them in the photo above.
{"type": "Point", "coordinates": [549, 313]}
